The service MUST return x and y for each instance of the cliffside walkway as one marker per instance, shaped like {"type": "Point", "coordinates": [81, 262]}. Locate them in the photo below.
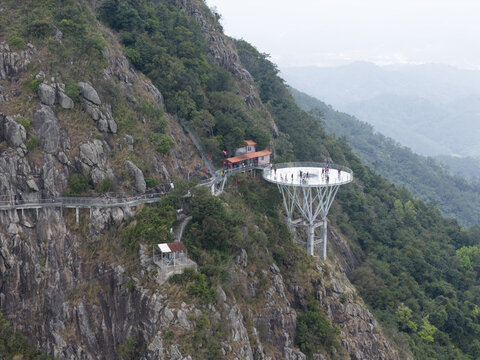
{"type": "Point", "coordinates": [112, 200]}
{"type": "Point", "coordinates": [107, 201]}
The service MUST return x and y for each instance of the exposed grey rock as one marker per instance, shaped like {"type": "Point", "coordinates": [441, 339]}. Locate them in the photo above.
{"type": "Point", "coordinates": [169, 316]}
{"type": "Point", "coordinates": [12, 64]}
{"type": "Point", "coordinates": [63, 100]}
{"type": "Point", "coordinates": [117, 215]}
{"type": "Point", "coordinates": [89, 93]}
{"type": "Point", "coordinates": [13, 132]}
{"type": "Point", "coordinates": [242, 258]}
{"type": "Point", "coordinates": [97, 176]}
{"type": "Point", "coordinates": [93, 111]}
{"type": "Point", "coordinates": [47, 95]}
{"type": "Point", "coordinates": [239, 333]}
{"type": "Point", "coordinates": [274, 269]}
{"type": "Point", "coordinates": [182, 320]}
{"type": "Point", "coordinates": [221, 294]}
{"type": "Point", "coordinates": [63, 158]}
{"type": "Point", "coordinates": [40, 75]}
{"type": "Point", "coordinates": [55, 179]}
{"type": "Point", "coordinates": [175, 353]}
{"type": "Point", "coordinates": [47, 128]}
{"type": "Point", "coordinates": [99, 220]}
{"type": "Point", "coordinates": [92, 154]}
{"type": "Point", "coordinates": [291, 354]}
{"type": "Point", "coordinates": [102, 125]}
{"type": "Point", "coordinates": [112, 125]}
{"type": "Point", "coordinates": [129, 141]}
{"type": "Point", "coordinates": [32, 185]}
{"type": "Point", "coordinates": [140, 184]}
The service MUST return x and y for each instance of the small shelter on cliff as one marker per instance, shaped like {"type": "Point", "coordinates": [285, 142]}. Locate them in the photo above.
{"type": "Point", "coordinates": [248, 156]}
{"type": "Point", "coordinates": [172, 259]}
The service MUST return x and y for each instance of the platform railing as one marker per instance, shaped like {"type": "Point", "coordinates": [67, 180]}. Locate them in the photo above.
{"type": "Point", "coordinates": [269, 170]}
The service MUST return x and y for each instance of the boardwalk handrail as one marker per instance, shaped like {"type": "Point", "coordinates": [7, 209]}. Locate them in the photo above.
{"type": "Point", "coordinates": [108, 199]}
{"type": "Point", "coordinates": [267, 172]}
{"type": "Point", "coordinates": [313, 164]}
{"type": "Point", "coordinates": [104, 201]}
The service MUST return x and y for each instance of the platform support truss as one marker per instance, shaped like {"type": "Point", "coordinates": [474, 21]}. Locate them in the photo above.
{"type": "Point", "coordinates": [313, 204]}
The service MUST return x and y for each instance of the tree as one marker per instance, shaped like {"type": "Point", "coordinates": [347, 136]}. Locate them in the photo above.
{"type": "Point", "coordinates": [404, 319]}
{"type": "Point", "coordinates": [427, 330]}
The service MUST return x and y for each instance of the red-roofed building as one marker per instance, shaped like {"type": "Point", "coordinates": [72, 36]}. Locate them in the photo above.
{"type": "Point", "coordinates": [247, 155]}
{"type": "Point", "coordinates": [172, 259]}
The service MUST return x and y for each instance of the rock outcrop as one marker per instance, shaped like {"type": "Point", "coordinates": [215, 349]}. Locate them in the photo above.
{"type": "Point", "coordinates": [47, 128]}
{"type": "Point", "coordinates": [105, 121]}
{"type": "Point", "coordinates": [13, 63]}
{"type": "Point", "coordinates": [137, 174]}
{"type": "Point", "coordinates": [54, 94]}
{"type": "Point", "coordinates": [93, 162]}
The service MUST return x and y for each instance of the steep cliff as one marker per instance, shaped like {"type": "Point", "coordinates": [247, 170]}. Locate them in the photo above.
{"type": "Point", "coordinates": [72, 110]}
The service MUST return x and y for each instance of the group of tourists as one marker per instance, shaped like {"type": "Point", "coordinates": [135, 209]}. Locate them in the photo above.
{"type": "Point", "coordinates": [304, 176]}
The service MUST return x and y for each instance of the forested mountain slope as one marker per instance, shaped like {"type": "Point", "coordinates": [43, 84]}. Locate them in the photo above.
{"type": "Point", "coordinates": [431, 108]}
{"type": "Point", "coordinates": [92, 290]}
{"type": "Point", "coordinates": [424, 177]}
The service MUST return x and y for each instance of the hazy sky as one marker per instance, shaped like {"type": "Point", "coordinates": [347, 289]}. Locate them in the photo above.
{"type": "Point", "coordinates": [325, 32]}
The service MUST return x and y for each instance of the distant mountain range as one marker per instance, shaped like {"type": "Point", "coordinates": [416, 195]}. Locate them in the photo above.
{"type": "Point", "coordinates": [425, 177]}
{"type": "Point", "coordinates": [433, 109]}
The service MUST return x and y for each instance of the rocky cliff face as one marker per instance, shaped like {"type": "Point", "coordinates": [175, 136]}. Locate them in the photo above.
{"type": "Point", "coordinates": [63, 284]}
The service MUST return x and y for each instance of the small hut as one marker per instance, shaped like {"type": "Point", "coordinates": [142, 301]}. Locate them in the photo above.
{"type": "Point", "coordinates": [172, 254]}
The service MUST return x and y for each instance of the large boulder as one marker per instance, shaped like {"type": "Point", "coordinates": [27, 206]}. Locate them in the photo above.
{"type": "Point", "coordinates": [93, 162]}
{"type": "Point", "coordinates": [47, 94]}
{"type": "Point", "coordinates": [93, 111]}
{"type": "Point", "coordinates": [140, 184]}
{"type": "Point", "coordinates": [92, 154]}
{"type": "Point", "coordinates": [63, 100]}
{"type": "Point", "coordinates": [13, 132]}
{"type": "Point", "coordinates": [47, 127]}
{"type": "Point", "coordinates": [89, 93]}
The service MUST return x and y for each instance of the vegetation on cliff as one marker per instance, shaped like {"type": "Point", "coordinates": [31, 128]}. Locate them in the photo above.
{"type": "Point", "coordinates": [169, 47]}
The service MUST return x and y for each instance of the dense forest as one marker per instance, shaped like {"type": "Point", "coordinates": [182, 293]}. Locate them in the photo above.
{"type": "Point", "coordinates": [424, 177]}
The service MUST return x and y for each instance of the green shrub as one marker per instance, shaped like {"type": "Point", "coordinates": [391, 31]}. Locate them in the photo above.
{"type": "Point", "coordinates": [32, 84]}
{"type": "Point", "coordinates": [72, 89]}
{"type": "Point", "coordinates": [24, 122]}
{"type": "Point", "coordinates": [162, 142]}
{"type": "Point", "coordinates": [13, 345]}
{"type": "Point", "coordinates": [203, 289]}
{"type": "Point", "coordinates": [16, 42]}
{"type": "Point", "coordinates": [39, 28]}
{"type": "Point", "coordinates": [151, 182]}
{"type": "Point", "coordinates": [314, 331]}
{"type": "Point", "coordinates": [106, 185]}
{"type": "Point", "coordinates": [129, 285]}
{"type": "Point", "coordinates": [77, 184]}
{"type": "Point", "coordinates": [72, 28]}
{"type": "Point", "coordinates": [152, 226]}
{"type": "Point", "coordinates": [130, 350]}
{"type": "Point", "coordinates": [31, 143]}
{"type": "Point", "coordinates": [156, 115]}
{"type": "Point", "coordinates": [134, 56]}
